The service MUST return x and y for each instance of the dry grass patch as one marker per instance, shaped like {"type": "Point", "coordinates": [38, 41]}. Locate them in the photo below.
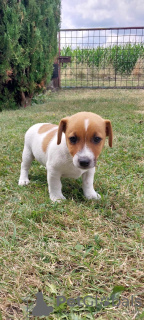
{"type": "Point", "coordinates": [140, 111]}
{"type": "Point", "coordinates": [138, 70]}
{"type": "Point", "coordinates": [86, 75]}
{"type": "Point", "coordinates": [82, 71]}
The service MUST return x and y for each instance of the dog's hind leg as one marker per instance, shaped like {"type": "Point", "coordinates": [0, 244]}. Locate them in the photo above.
{"type": "Point", "coordinates": [27, 158]}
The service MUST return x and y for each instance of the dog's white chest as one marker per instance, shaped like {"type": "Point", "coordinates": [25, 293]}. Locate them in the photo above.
{"type": "Point", "coordinates": [60, 159]}
{"type": "Point", "coordinates": [72, 172]}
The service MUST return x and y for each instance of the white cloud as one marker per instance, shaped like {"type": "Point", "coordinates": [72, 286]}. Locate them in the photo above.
{"type": "Point", "coordinates": [104, 13]}
{"type": "Point", "coordinates": [122, 39]}
{"type": "Point", "coordinates": [103, 38]}
{"type": "Point", "coordinates": [101, 14]}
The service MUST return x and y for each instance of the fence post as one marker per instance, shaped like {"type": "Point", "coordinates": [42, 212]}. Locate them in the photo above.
{"type": "Point", "coordinates": [59, 82]}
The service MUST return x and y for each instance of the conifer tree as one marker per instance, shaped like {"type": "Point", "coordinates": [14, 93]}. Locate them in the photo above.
{"type": "Point", "coordinates": [28, 37]}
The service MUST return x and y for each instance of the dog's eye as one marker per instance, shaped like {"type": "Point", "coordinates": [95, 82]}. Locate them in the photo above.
{"type": "Point", "coordinates": [96, 140]}
{"type": "Point", "coordinates": [73, 139]}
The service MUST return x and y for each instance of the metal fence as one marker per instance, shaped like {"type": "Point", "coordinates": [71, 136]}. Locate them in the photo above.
{"type": "Point", "coordinates": [101, 58]}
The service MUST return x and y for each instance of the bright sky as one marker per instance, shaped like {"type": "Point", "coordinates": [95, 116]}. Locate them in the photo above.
{"type": "Point", "coordinates": [102, 13]}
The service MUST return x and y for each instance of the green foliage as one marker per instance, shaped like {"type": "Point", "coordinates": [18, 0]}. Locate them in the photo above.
{"type": "Point", "coordinates": [122, 58]}
{"type": "Point", "coordinates": [28, 37]}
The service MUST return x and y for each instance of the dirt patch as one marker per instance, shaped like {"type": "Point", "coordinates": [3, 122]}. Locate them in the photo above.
{"type": "Point", "coordinates": [140, 111]}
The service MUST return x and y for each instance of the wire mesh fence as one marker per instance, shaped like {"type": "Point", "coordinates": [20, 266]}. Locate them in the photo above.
{"type": "Point", "coordinates": [102, 58]}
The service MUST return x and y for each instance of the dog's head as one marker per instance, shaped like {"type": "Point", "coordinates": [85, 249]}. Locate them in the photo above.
{"type": "Point", "coordinates": [85, 137]}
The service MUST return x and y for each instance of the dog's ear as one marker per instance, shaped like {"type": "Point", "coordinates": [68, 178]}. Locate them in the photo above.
{"type": "Point", "coordinates": [109, 132]}
{"type": "Point", "coordinates": [61, 129]}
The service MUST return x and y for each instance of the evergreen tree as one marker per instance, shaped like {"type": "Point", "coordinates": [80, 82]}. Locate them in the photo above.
{"type": "Point", "coordinates": [28, 37]}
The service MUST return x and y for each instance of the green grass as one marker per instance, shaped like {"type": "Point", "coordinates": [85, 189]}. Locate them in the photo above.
{"type": "Point", "coordinates": [77, 247]}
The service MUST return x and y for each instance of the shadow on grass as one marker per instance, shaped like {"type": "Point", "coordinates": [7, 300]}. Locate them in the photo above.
{"type": "Point", "coordinates": [71, 188]}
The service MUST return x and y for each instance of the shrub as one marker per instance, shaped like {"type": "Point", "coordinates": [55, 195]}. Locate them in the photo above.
{"type": "Point", "coordinates": [28, 37]}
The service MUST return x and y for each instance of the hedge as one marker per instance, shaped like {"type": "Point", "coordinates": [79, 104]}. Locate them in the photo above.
{"type": "Point", "coordinates": [28, 46]}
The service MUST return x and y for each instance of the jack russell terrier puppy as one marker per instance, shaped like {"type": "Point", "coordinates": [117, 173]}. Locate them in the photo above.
{"type": "Point", "coordinates": [68, 150]}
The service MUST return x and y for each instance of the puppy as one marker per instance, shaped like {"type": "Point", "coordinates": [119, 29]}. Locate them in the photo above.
{"type": "Point", "coordinates": [68, 150]}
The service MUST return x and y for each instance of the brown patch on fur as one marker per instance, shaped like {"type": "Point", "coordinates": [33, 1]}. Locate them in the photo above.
{"type": "Point", "coordinates": [48, 138]}
{"type": "Point", "coordinates": [46, 127]}
{"type": "Point", "coordinates": [75, 126]}
{"type": "Point", "coordinates": [96, 128]}
{"type": "Point", "coordinates": [109, 132]}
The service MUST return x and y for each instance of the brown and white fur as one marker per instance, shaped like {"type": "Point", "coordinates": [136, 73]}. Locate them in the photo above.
{"type": "Point", "coordinates": [68, 150]}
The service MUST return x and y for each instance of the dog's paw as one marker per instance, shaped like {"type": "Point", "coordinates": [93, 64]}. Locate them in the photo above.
{"type": "Point", "coordinates": [93, 195]}
{"type": "Point", "coordinates": [23, 182]}
{"type": "Point", "coordinates": [55, 198]}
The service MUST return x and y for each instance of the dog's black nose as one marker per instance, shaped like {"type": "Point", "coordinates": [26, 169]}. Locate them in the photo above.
{"type": "Point", "coordinates": [84, 162]}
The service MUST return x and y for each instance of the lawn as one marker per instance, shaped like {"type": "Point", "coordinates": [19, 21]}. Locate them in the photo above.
{"type": "Point", "coordinates": [76, 248]}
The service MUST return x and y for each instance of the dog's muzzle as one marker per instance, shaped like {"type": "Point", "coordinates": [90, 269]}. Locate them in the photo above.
{"type": "Point", "coordinates": [84, 159]}
{"type": "Point", "coordinates": [84, 162]}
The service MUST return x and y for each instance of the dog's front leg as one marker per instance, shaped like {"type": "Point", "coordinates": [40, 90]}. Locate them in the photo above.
{"type": "Point", "coordinates": [54, 185]}
{"type": "Point", "coordinates": [87, 185]}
